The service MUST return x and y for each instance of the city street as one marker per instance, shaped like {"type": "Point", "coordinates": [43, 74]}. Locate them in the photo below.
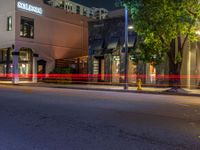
{"type": "Point", "coordinates": [41, 118]}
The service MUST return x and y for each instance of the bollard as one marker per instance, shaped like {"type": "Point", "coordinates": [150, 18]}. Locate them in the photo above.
{"type": "Point", "coordinates": [139, 85]}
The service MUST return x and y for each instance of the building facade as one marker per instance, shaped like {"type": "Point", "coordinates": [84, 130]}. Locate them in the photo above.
{"type": "Point", "coordinates": [35, 35]}
{"type": "Point", "coordinates": [76, 8]}
{"type": "Point", "coordinates": [106, 56]}
{"type": "Point", "coordinates": [106, 49]}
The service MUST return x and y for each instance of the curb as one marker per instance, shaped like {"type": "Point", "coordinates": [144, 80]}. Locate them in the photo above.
{"type": "Point", "coordinates": [113, 90]}
{"type": "Point", "coordinates": [106, 90]}
{"type": "Point", "coordinates": [129, 91]}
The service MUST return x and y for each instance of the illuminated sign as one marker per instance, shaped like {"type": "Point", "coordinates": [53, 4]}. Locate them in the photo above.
{"type": "Point", "coordinates": [30, 8]}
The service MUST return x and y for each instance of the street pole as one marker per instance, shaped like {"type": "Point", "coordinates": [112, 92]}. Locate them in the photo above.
{"type": "Point", "coordinates": [126, 50]}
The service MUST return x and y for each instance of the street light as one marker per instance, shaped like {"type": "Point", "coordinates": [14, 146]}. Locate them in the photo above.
{"type": "Point", "coordinates": [120, 3]}
{"type": "Point", "coordinates": [126, 50]}
{"type": "Point", "coordinates": [130, 27]}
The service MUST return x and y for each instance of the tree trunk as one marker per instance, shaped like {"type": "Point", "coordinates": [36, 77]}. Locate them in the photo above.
{"type": "Point", "coordinates": [177, 76]}
{"type": "Point", "coordinates": [174, 74]}
{"type": "Point", "coordinates": [174, 68]}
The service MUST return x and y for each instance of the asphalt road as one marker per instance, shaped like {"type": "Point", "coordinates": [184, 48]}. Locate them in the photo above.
{"type": "Point", "coordinates": [61, 119]}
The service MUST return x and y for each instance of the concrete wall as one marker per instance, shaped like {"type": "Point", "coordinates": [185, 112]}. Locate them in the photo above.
{"type": "Point", "coordinates": [198, 63]}
{"type": "Point", "coordinates": [191, 65]}
{"type": "Point", "coordinates": [57, 34]}
{"type": "Point", "coordinates": [7, 8]}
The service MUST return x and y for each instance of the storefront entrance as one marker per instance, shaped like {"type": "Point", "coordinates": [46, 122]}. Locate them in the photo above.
{"type": "Point", "coordinates": [99, 69]}
{"type": "Point", "coordinates": [150, 74]}
{"type": "Point", "coordinates": [41, 66]}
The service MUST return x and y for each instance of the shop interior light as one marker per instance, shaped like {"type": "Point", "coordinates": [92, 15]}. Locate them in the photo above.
{"type": "Point", "coordinates": [23, 65]}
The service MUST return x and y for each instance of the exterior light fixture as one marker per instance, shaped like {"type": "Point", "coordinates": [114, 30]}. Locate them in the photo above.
{"type": "Point", "coordinates": [130, 27]}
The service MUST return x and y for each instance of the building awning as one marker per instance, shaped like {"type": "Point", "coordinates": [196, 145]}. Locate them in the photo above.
{"type": "Point", "coordinates": [113, 43]}
{"type": "Point", "coordinates": [97, 44]}
{"type": "Point", "coordinates": [131, 41]}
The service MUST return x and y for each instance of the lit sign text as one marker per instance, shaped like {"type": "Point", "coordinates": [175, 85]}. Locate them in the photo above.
{"type": "Point", "coordinates": [30, 8]}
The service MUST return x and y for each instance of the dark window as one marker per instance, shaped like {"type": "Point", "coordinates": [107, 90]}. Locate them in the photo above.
{"type": "Point", "coordinates": [9, 23]}
{"type": "Point", "coordinates": [85, 12]}
{"type": "Point", "coordinates": [78, 9]}
{"type": "Point", "coordinates": [27, 27]}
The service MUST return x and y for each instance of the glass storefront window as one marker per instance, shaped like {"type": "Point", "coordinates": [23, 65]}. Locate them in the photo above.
{"type": "Point", "coordinates": [10, 68]}
{"type": "Point", "coordinates": [4, 61]}
{"type": "Point", "coordinates": [40, 69]}
{"type": "Point", "coordinates": [11, 56]}
{"type": "Point", "coordinates": [150, 73]}
{"type": "Point", "coordinates": [24, 68]}
{"type": "Point", "coordinates": [95, 66]}
{"type": "Point", "coordinates": [25, 58]}
{"type": "Point", "coordinates": [2, 68]}
{"type": "Point", "coordinates": [116, 65]}
{"type": "Point", "coordinates": [3, 55]}
{"type": "Point", "coordinates": [25, 55]}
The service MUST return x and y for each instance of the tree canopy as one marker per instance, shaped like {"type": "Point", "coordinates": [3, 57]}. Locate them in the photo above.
{"type": "Point", "coordinates": [159, 22]}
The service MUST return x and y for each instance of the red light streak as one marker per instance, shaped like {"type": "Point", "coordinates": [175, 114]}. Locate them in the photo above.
{"type": "Point", "coordinates": [83, 76]}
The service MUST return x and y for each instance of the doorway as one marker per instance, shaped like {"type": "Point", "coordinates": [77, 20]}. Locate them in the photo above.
{"type": "Point", "coordinates": [41, 66]}
{"type": "Point", "coordinates": [98, 69]}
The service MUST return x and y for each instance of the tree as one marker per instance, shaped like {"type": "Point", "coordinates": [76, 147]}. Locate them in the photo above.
{"type": "Point", "coordinates": [163, 25]}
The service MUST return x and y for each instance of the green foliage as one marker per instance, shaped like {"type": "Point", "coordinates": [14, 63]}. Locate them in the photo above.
{"type": "Point", "coordinates": [148, 50]}
{"type": "Point", "coordinates": [159, 22]}
{"type": "Point", "coordinates": [178, 58]}
{"type": "Point", "coordinates": [61, 70]}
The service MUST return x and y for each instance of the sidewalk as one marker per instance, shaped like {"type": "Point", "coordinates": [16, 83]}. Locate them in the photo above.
{"type": "Point", "coordinates": [113, 88]}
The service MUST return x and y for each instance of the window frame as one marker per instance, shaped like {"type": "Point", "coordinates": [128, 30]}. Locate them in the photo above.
{"type": "Point", "coordinates": [9, 23]}
{"type": "Point", "coordinates": [22, 29]}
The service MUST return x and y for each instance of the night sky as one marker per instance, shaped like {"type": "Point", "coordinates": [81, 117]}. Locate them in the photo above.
{"type": "Point", "coordinates": [108, 4]}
